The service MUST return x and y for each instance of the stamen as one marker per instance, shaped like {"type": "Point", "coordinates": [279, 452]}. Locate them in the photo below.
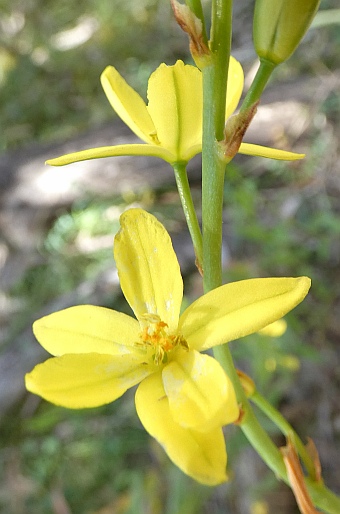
{"type": "Point", "coordinates": [155, 335]}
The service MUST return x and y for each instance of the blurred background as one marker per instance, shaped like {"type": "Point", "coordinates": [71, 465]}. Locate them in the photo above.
{"type": "Point", "coordinates": [56, 233]}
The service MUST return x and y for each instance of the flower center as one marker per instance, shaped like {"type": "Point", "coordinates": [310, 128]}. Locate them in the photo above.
{"type": "Point", "coordinates": [155, 335]}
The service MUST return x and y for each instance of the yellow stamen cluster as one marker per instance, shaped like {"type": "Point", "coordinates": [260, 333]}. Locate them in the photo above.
{"type": "Point", "coordinates": [155, 335]}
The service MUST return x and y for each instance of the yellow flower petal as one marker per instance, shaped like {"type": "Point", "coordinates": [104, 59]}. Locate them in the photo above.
{"type": "Point", "coordinates": [112, 151]}
{"type": "Point", "coordinates": [270, 153]}
{"type": "Point", "coordinates": [239, 309]}
{"type": "Point", "coordinates": [175, 105]}
{"type": "Point", "coordinates": [235, 86]}
{"type": "Point", "coordinates": [87, 329]}
{"type": "Point", "coordinates": [148, 269]}
{"type": "Point", "coordinates": [201, 455]}
{"type": "Point", "coordinates": [129, 106]}
{"type": "Point", "coordinates": [78, 381]}
{"type": "Point", "coordinates": [200, 394]}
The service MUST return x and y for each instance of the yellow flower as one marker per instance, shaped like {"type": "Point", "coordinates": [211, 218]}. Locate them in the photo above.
{"type": "Point", "coordinates": [184, 397]}
{"type": "Point", "coordinates": [171, 123]}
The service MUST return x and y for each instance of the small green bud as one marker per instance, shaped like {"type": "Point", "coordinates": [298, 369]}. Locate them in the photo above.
{"type": "Point", "coordinates": [279, 26]}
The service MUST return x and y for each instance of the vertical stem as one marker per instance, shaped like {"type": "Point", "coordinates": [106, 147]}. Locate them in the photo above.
{"type": "Point", "coordinates": [214, 95]}
{"type": "Point", "coordinates": [212, 192]}
{"type": "Point", "coordinates": [220, 46]}
{"type": "Point", "coordinates": [215, 77]}
{"type": "Point", "coordinates": [189, 210]}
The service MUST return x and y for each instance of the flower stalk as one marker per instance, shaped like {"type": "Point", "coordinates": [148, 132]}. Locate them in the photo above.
{"type": "Point", "coordinates": [276, 417]}
{"type": "Point", "coordinates": [260, 81]}
{"type": "Point", "coordinates": [189, 211]}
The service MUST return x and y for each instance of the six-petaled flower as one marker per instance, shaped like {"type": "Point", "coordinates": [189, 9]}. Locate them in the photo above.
{"type": "Point", "coordinates": [184, 396]}
{"type": "Point", "coordinates": [171, 122]}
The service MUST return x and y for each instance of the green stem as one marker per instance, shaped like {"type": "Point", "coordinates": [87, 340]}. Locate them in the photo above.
{"type": "Point", "coordinates": [276, 417]}
{"type": "Point", "coordinates": [213, 171]}
{"type": "Point", "coordinates": [259, 83]}
{"type": "Point", "coordinates": [322, 497]}
{"type": "Point", "coordinates": [220, 46]}
{"type": "Point", "coordinates": [189, 210]}
{"type": "Point", "coordinates": [214, 94]}
{"type": "Point", "coordinates": [215, 78]}
{"type": "Point", "coordinates": [250, 426]}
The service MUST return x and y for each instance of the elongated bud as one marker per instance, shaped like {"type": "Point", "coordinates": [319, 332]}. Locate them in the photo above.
{"type": "Point", "coordinates": [279, 26]}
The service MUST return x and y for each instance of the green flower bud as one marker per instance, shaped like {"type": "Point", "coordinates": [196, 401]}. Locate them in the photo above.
{"type": "Point", "coordinates": [279, 26]}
